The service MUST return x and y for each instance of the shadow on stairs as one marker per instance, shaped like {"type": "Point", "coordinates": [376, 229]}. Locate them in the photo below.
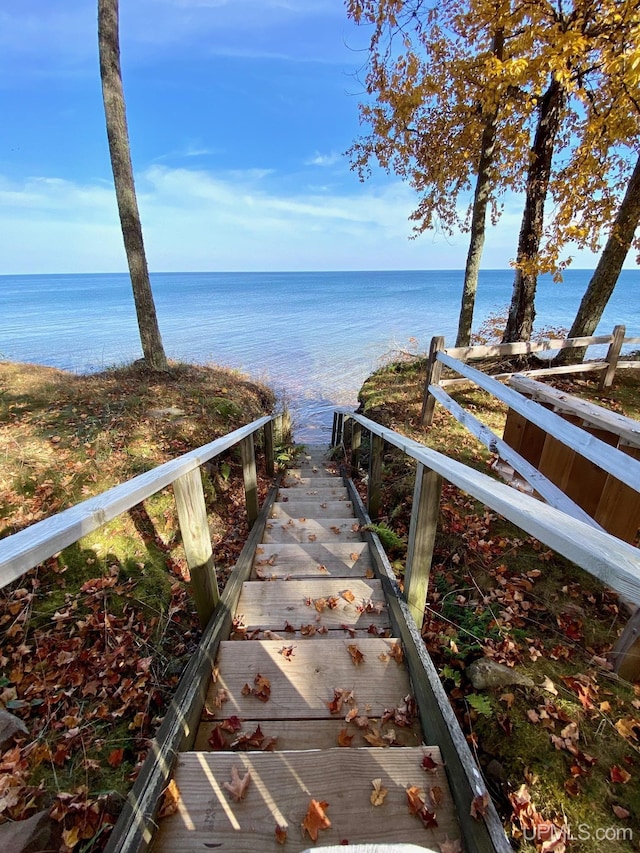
{"type": "Point", "coordinates": [310, 734]}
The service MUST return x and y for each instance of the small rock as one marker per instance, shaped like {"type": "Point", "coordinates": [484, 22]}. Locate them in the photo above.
{"type": "Point", "coordinates": [38, 834]}
{"type": "Point", "coordinates": [486, 673]}
{"type": "Point", "coordinates": [169, 412]}
{"type": "Point", "coordinates": [10, 726]}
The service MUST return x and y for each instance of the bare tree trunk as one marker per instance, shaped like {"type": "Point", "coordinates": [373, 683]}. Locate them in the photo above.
{"type": "Point", "coordinates": [522, 310]}
{"type": "Point", "coordinates": [605, 275]}
{"type": "Point", "coordinates": [478, 217]}
{"type": "Point", "coordinates": [118, 136]}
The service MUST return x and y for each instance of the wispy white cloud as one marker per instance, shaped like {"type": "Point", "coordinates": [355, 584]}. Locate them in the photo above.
{"type": "Point", "coordinates": [201, 220]}
{"type": "Point", "coordinates": [324, 159]}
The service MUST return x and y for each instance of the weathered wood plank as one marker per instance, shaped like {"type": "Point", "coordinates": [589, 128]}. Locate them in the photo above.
{"type": "Point", "coordinates": [627, 428]}
{"type": "Point", "coordinates": [196, 539]}
{"type": "Point", "coordinates": [608, 458]}
{"type": "Point", "coordinates": [25, 549]}
{"type": "Point", "coordinates": [422, 536]}
{"type": "Point", "coordinates": [321, 734]}
{"type": "Point", "coordinates": [612, 357]}
{"type": "Point", "coordinates": [587, 367]}
{"type": "Point", "coordinates": [303, 685]}
{"type": "Point", "coordinates": [274, 605]}
{"type": "Point", "coordinates": [615, 563]}
{"type": "Point", "coordinates": [134, 828]}
{"type": "Point", "coordinates": [439, 724]}
{"type": "Point", "coordinates": [524, 347]}
{"type": "Point", "coordinates": [619, 507]}
{"type": "Point", "coordinates": [374, 486]}
{"type": "Point", "coordinates": [281, 788]}
{"type": "Point", "coordinates": [542, 482]}
{"type": "Point", "coordinates": [320, 508]}
{"type": "Point", "coordinates": [335, 491]}
{"type": "Point", "coordinates": [310, 530]}
{"type": "Point", "coordinates": [313, 559]}
{"type": "Point", "coordinates": [434, 370]}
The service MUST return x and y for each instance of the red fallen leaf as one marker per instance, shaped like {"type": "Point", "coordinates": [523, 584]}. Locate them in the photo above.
{"type": "Point", "coordinates": [254, 739]}
{"type": "Point", "coordinates": [232, 724]}
{"type": "Point", "coordinates": [287, 652]}
{"type": "Point", "coordinates": [316, 819]}
{"type": "Point", "coordinates": [356, 655]}
{"type": "Point", "coordinates": [572, 787]}
{"type": "Point", "coordinates": [419, 809]}
{"type": "Point", "coordinates": [332, 602]}
{"type": "Point", "coordinates": [479, 806]}
{"type": "Point", "coordinates": [620, 812]}
{"type": "Point", "coordinates": [170, 800]}
{"type": "Point", "coordinates": [238, 785]}
{"type": "Point", "coordinates": [289, 629]}
{"type": "Point", "coordinates": [619, 775]}
{"type": "Point", "coordinates": [348, 629]}
{"type": "Point", "coordinates": [115, 757]}
{"type": "Point", "coordinates": [308, 630]}
{"type": "Point", "coordinates": [335, 706]}
{"type": "Point", "coordinates": [281, 835]}
{"type": "Point", "coordinates": [216, 739]}
{"type": "Point", "coordinates": [429, 764]}
{"type": "Point", "coordinates": [344, 739]}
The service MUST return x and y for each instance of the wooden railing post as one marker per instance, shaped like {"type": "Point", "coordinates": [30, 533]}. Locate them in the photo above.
{"type": "Point", "coordinates": [374, 488]}
{"type": "Point", "coordinates": [434, 369]}
{"type": "Point", "coordinates": [250, 479]}
{"type": "Point", "coordinates": [194, 526]}
{"type": "Point", "coordinates": [613, 354]}
{"type": "Point", "coordinates": [356, 442]}
{"type": "Point", "coordinates": [422, 536]}
{"type": "Point", "coordinates": [269, 450]}
{"type": "Point", "coordinates": [334, 430]}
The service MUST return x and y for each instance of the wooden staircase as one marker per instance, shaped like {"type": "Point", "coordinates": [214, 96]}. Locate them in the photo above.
{"type": "Point", "coordinates": [310, 735]}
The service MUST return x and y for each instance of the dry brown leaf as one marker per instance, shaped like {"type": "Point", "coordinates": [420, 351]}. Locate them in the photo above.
{"type": "Point", "coordinates": [344, 738]}
{"type": "Point", "coordinates": [448, 846]}
{"type": "Point", "coordinates": [170, 800]}
{"type": "Point", "coordinates": [281, 835]}
{"type": "Point", "coordinates": [351, 715]}
{"type": "Point", "coordinates": [479, 806]}
{"type": "Point", "coordinates": [316, 819]}
{"type": "Point", "coordinates": [238, 785]}
{"type": "Point", "coordinates": [435, 794]}
{"type": "Point", "coordinates": [348, 595]}
{"type": "Point", "coordinates": [549, 686]}
{"type": "Point", "coordinates": [620, 812]}
{"type": "Point", "coordinates": [356, 655]}
{"type": "Point", "coordinates": [379, 792]}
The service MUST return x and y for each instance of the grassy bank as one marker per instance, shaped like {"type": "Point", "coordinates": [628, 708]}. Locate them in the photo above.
{"type": "Point", "coordinates": [564, 754]}
{"type": "Point", "coordinates": [92, 643]}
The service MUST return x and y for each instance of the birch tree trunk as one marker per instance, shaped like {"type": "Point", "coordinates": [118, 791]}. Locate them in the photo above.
{"type": "Point", "coordinates": [119, 151]}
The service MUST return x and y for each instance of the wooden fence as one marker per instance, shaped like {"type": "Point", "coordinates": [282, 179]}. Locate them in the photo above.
{"type": "Point", "coordinates": [31, 546]}
{"type": "Point", "coordinates": [574, 536]}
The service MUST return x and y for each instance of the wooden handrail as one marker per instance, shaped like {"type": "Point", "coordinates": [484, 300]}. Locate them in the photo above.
{"type": "Point", "coordinates": [23, 550]}
{"type": "Point", "coordinates": [612, 561]}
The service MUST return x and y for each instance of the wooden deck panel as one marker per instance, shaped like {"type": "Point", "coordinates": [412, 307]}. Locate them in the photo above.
{"type": "Point", "coordinates": [330, 603]}
{"type": "Point", "coordinates": [313, 559]}
{"type": "Point", "coordinates": [323, 734]}
{"type": "Point", "coordinates": [319, 509]}
{"type": "Point", "coordinates": [309, 561]}
{"type": "Point", "coordinates": [303, 685]}
{"type": "Point", "coordinates": [311, 530]}
{"type": "Point", "coordinates": [280, 790]}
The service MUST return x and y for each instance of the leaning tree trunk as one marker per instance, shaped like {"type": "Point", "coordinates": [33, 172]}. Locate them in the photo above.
{"type": "Point", "coordinates": [478, 217]}
{"type": "Point", "coordinates": [606, 273]}
{"type": "Point", "coordinates": [118, 136]}
{"type": "Point", "coordinates": [522, 309]}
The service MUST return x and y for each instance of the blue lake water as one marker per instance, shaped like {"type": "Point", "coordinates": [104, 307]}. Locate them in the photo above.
{"type": "Point", "coordinates": [313, 336]}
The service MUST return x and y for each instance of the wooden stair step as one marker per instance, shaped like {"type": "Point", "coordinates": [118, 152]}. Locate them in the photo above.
{"type": "Point", "coordinates": [330, 492]}
{"type": "Point", "coordinates": [281, 787]}
{"type": "Point", "coordinates": [313, 559]}
{"type": "Point", "coordinates": [313, 474]}
{"type": "Point", "coordinates": [311, 530]}
{"type": "Point", "coordinates": [303, 684]}
{"type": "Point", "coordinates": [321, 734]}
{"type": "Point", "coordinates": [318, 508]}
{"type": "Point", "coordinates": [328, 603]}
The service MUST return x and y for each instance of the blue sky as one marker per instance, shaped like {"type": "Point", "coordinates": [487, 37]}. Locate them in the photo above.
{"type": "Point", "coordinates": [239, 114]}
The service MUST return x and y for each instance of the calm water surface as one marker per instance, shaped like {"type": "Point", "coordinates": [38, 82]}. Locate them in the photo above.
{"type": "Point", "coordinates": [313, 336]}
